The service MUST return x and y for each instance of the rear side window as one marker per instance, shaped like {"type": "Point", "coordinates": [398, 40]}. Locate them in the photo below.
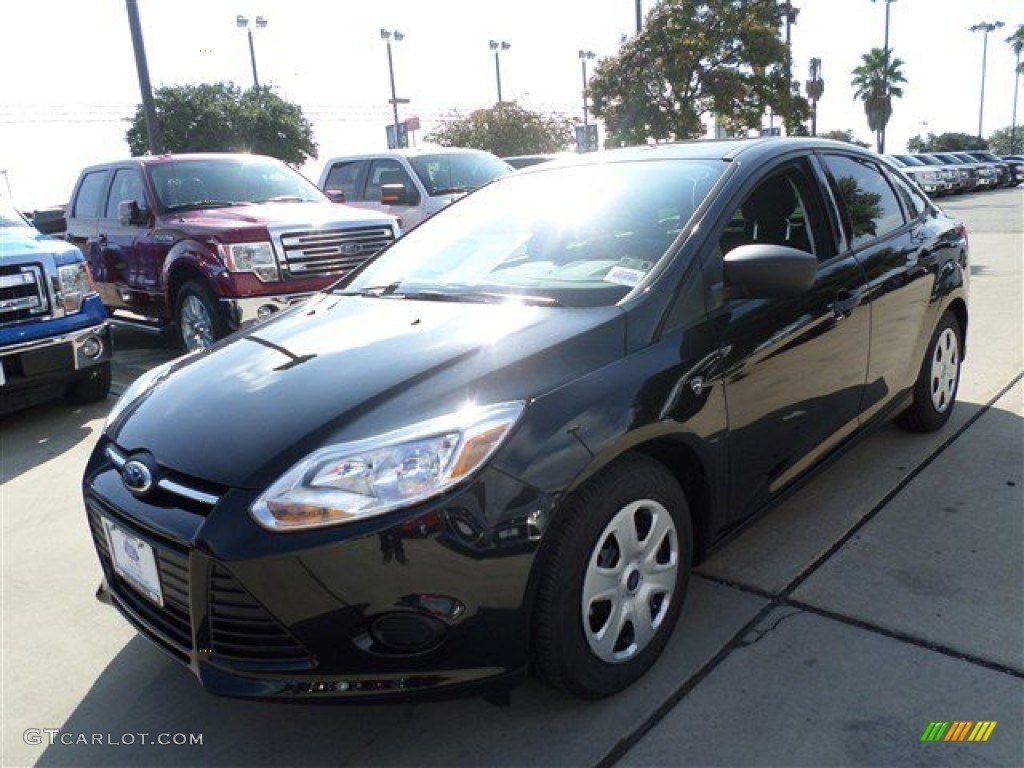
{"type": "Point", "coordinates": [913, 201]}
{"type": "Point", "coordinates": [870, 207]}
{"type": "Point", "coordinates": [90, 195]}
{"type": "Point", "coordinates": [344, 177]}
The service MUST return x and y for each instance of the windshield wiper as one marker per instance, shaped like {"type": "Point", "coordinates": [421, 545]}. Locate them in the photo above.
{"type": "Point", "coordinates": [452, 190]}
{"type": "Point", "coordinates": [204, 204]}
{"type": "Point", "coordinates": [284, 199]}
{"type": "Point", "coordinates": [484, 297]}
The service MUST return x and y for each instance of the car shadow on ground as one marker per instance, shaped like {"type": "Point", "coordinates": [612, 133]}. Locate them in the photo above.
{"type": "Point", "coordinates": [43, 432]}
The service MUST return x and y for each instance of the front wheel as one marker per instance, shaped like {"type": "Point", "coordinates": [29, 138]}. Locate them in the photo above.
{"type": "Point", "coordinates": [614, 580]}
{"type": "Point", "coordinates": [938, 380]}
{"type": "Point", "coordinates": [200, 321]}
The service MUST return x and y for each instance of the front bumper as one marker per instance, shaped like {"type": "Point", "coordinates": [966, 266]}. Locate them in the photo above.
{"type": "Point", "coordinates": [243, 312]}
{"type": "Point", "coordinates": [425, 603]}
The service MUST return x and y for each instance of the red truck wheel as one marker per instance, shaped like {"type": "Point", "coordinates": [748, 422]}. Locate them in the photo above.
{"type": "Point", "coordinates": [200, 321]}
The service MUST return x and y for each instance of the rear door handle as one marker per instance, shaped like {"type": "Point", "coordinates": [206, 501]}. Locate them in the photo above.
{"type": "Point", "coordinates": [846, 301]}
{"type": "Point", "coordinates": [102, 238]}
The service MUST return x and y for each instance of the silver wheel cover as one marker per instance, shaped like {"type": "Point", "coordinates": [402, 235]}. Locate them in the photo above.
{"type": "Point", "coordinates": [196, 324]}
{"type": "Point", "coordinates": [945, 370]}
{"type": "Point", "coordinates": [630, 581]}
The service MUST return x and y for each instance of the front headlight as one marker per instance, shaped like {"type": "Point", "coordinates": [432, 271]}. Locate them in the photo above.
{"type": "Point", "coordinates": [253, 257]}
{"type": "Point", "coordinates": [75, 285]}
{"type": "Point", "coordinates": [353, 481]}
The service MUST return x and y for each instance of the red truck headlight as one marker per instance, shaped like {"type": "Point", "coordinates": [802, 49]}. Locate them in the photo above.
{"type": "Point", "coordinates": [257, 258]}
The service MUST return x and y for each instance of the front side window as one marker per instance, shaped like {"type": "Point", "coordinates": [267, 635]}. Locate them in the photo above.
{"type": "Point", "coordinates": [219, 182]}
{"type": "Point", "coordinates": [90, 195]}
{"type": "Point", "coordinates": [577, 236]}
{"type": "Point", "coordinates": [127, 185]}
{"type": "Point", "coordinates": [869, 204]}
{"type": "Point", "coordinates": [386, 172]}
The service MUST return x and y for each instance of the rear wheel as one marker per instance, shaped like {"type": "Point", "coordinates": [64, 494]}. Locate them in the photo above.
{"type": "Point", "coordinates": [200, 322]}
{"type": "Point", "coordinates": [938, 380]}
{"type": "Point", "coordinates": [614, 579]}
{"type": "Point", "coordinates": [92, 387]}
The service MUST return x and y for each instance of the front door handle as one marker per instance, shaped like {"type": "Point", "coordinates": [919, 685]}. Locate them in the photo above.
{"type": "Point", "coordinates": [846, 301]}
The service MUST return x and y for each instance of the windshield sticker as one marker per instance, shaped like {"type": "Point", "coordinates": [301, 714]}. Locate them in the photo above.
{"type": "Point", "coordinates": [624, 276]}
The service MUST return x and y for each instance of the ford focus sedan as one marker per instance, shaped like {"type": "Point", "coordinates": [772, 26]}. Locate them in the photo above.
{"type": "Point", "coordinates": [503, 443]}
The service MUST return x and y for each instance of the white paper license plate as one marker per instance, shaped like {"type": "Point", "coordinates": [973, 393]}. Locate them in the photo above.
{"type": "Point", "coordinates": [134, 561]}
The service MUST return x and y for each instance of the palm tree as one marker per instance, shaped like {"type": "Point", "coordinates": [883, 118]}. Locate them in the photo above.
{"type": "Point", "coordinates": [1016, 42]}
{"type": "Point", "coordinates": [876, 83]}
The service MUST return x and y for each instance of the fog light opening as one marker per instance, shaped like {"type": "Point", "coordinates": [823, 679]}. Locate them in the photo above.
{"type": "Point", "coordinates": [92, 347]}
{"type": "Point", "coordinates": [265, 312]}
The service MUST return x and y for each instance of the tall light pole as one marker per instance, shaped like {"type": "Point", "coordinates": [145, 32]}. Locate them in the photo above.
{"type": "Point", "coordinates": [387, 35]}
{"type": "Point", "coordinates": [885, 74]}
{"type": "Point", "coordinates": [639, 16]}
{"type": "Point", "coordinates": [148, 105]}
{"type": "Point", "coordinates": [984, 27]}
{"type": "Point", "coordinates": [584, 57]}
{"type": "Point", "coordinates": [243, 22]}
{"type": "Point", "coordinates": [498, 47]}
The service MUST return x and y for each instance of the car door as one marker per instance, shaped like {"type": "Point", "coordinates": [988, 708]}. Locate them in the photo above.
{"type": "Point", "coordinates": [793, 368]}
{"type": "Point", "coordinates": [892, 243]}
{"type": "Point", "coordinates": [130, 257]}
{"type": "Point", "coordinates": [83, 225]}
{"type": "Point", "coordinates": [389, 170]}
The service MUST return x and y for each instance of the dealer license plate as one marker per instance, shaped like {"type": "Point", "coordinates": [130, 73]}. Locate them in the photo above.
{"type": "Point", "coordinates": [134, 561]}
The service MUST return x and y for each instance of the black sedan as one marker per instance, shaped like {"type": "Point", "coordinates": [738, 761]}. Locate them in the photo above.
{"type": "Point", "coordinates": [505, 441]}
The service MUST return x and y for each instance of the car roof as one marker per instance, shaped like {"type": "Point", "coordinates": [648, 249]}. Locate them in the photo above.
{"type": "Point", "coordinates": [169, 157]}
{"type": "Point", "coordinates": [410, 152]}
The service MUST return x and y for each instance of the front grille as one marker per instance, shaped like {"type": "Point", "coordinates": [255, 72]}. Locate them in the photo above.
{"type": "Point", "coordinates": [242, 629]}
{"type": "Point", "coordinates": [331, 252]}
{"type": "Point", "coordinates": [172, 621]}
{"type": "Point", "coordinates": [22, 293]}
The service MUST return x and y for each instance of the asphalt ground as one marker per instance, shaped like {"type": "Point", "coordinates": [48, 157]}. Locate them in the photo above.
{"type": "Point", "coordinates": [883, 596]}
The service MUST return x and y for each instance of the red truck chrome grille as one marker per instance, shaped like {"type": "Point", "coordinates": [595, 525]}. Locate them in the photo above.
{"type": "Point", "coordinates": [331, 252]}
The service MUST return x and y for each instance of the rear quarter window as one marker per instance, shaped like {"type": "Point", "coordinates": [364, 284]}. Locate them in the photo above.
{"type": "Point", "coordinates": [89, 200]}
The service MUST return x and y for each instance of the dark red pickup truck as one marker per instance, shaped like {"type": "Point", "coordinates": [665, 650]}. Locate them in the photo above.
{"type": "Point", "coordinates": [212, 242]}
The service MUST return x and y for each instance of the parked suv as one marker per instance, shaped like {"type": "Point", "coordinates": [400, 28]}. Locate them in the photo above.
{"type": "Point", "coordinates": [212, 242]}
{"type": "Point", "coordinates": [54, 338]}
{"type": "Point", "coordinates": [410, 184]}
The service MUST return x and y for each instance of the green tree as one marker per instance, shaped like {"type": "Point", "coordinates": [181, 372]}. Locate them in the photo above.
{"type": "Point", "coordinates": [920, 144]}
{"type": "Point", "coordinates": [877, 84]}
{"type": "Point", "coordinates": [221, 117]}
{"type": "Point", "coordinates": [846, 136]}
{"type": "Point", "coordinates": [954, 142]}
{"type": "Point", "coordinates": [999, 141]}
{"type": "Point", "coordinates": [505, 131]}
{"type": "Point", "coordinates": [695, 59]}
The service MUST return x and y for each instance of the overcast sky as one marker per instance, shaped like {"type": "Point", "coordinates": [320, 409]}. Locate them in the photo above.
{"type": "Point", "coordinates": [69, 75]}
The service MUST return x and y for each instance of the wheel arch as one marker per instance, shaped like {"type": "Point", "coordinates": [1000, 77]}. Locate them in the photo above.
{"type": "Point", "coordinates": [959, 309]}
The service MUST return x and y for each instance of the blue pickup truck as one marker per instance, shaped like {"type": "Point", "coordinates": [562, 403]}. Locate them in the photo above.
{"type": "Point", "coordinates": [54, 336]}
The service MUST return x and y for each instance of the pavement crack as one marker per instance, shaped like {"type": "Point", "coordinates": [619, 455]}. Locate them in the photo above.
{"type": "Point", "coordinates": [757, 635]}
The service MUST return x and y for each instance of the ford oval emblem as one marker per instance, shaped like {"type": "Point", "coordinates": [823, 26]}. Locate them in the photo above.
{"type": "Point", "coordinates": [351, 249]}
{"type": "Point", "coordinates": [136, 477]}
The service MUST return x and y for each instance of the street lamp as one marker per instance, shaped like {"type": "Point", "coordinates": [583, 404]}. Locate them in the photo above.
{"type": "Point", "coordinates": [243, 22]}
{"type": "Point", "coordinates": [885, 72]}
{"type": "Point", "coordinates": [387, 35]}
{"type": "Point", "coordinates": [584, 57]}
{"type": "Point", "coordinates": [984, 27]}
{"type": "Point", "coordinates": [498, 47]}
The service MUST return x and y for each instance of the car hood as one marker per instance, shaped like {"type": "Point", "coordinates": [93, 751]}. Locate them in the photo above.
{"type": "Point", "coordinates": [342, 368]}
{"type": "Point", "coordinates": [29, 241]}
{"type": "Point", "coordinates": [304, 215]}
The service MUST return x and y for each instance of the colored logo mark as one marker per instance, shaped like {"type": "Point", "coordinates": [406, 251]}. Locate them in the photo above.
{"type": "Point", "coordinates": [959, 730]}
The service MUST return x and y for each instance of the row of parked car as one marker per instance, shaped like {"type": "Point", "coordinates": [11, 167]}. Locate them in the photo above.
{"type": "Point", "coordinates": [947, 173]}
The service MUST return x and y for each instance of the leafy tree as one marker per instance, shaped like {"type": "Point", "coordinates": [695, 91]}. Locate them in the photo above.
{"type": "Point", "coordinates": [1016, 43]}
{"type": "Point", "coordinates": [877, 84]}
{"type": "Point", "coordinates": [846, 136]}
{"type": "Point", "coordinates": [505, 131]}
{"type": "Point", "coordinates": [696, 59]}
{"type": "Point", "coordinates": [999, 141]}
{"type": "Point", "coordinates": [946, 142]}
{"type": "Point", "coordinates": [220, 117]}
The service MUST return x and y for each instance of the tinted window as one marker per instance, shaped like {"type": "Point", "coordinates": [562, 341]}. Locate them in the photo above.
{"type": "Point", "coordinates": [913, 202]}
{"type": "Point", "coordinates": [127, 185]}
{"type": "Point", "coordinates": [90, 194]}
{"type": "Point", "coordinates": [219, 182]}
{"type": "Point", "coordinates": [344, 177]}
{"type": "Point", "coordinates": [386, 172]}
{"type": "Point", "coordinates": [582, 236]}
{"type": "Point", "coordinates": [448, 172]}
{"type": "Point", "coordinates": [869, 204]}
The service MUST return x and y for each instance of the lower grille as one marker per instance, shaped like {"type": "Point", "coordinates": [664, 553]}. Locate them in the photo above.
{"type": "Point", "coordinates": [172, 621]}
{"type": "Point", "coordinates": [242, 629]}
{"type": "Point", "coordinates": [22, 293]}
{"type": "Point", "coordinates": [332, 252]}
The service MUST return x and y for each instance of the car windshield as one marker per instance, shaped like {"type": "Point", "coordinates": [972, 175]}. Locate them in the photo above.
{"type": "Point", "coordinates": [447, 172]}
{"type": "Point", "coordinates": [909, 160]}
{"type": "Point", "coordinates": [217, 182]}
{"type": "Point", "coordinates": [573, 236]}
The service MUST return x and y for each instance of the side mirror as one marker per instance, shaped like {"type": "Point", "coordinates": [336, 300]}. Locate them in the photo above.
{"type": "Point", "coordinates": [396, 194]}
{"type": "Point", "coordinates": [130, 215]}
{"type": "Point", "coordinates": [765, 271]}
{"type": "Point", "coordinates": [335, 195]}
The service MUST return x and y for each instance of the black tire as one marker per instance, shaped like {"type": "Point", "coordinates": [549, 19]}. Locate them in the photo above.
{"type": "Point", "coordinates": [563, 636]}
{"type": "Point", "coordinates": [92, 387]}
{"type": "Point", "coordinates": [938, 380]}
{"type": "Point", "coordinates": [196, 300]}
